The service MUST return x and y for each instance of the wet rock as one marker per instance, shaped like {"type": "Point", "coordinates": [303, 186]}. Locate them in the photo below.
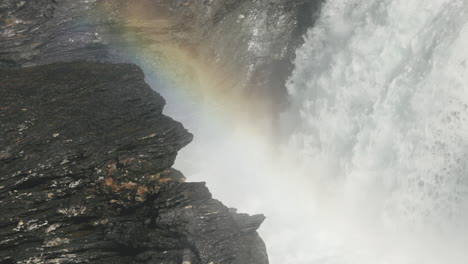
{"type": "Point", "coordinates": [255, 39]}
{"type": "Point", "coordinates": [85, 161]}
{"type": "Point", "coordinates": [248, 45]}
{"type": "Point", "coordinates": [86, 177]}
{"type": "Point", "coordinates": [45, 31]}
{"type": "Point", "coordinates": [252, 43]}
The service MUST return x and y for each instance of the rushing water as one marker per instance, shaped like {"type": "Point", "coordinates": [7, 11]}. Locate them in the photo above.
{"type": "Point", "coordinates": [379, 99]}
{"type": "Point", "coordinates": [373, 168]}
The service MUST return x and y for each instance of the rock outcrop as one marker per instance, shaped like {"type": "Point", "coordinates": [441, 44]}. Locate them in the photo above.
{"type": "Point", "coordinates": [252, 43]}
{"type": "Point", "coordinates": [234, 50]}
{"type": "Point", "coordinates": [86, 177]}
{"type": "Point", "coordinates": [85, 151]}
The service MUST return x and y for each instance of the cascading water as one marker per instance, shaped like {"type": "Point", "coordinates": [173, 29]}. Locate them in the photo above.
{"type": "Point", "coordinates": [379, 117]}
{"type": "Point", "coordinates": [374, 168]}
{"type": "Point", "coordinates": [371, 169]}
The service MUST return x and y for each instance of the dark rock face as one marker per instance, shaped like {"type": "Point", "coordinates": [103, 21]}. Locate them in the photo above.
{"type": "Point", "coordinates": [85, 152]}
{"type": "Point", "coordinates": [85, 157]}
{"type": "Point", "coordinates": [257, 39]}
{"type": "Point", "coordinates": [251, 42]}
{"type": "Point", "coordinates": [44, 31]}
{"type": "Point", "coordinates": [236, 51]}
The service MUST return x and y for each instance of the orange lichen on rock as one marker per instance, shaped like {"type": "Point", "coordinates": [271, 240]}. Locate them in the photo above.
{"type": "Point", "coordinates": [141, 194]}
{"type": "Point", "coordinates": [164, 180]}
{"type": "Point", "coordinates": [129, 185]}
{"type": "Point", "coordinates": [112, 185]}
{"type": "Point", "coordinates": [139, 189]}
{"type": "Point", "coordinates": [110, 168]}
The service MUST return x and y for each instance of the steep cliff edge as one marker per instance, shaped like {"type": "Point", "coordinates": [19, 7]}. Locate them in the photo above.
{"type": "Point", "coordinates": [85, 153]}
{"type": "Point", "coordinates": [85, 157]}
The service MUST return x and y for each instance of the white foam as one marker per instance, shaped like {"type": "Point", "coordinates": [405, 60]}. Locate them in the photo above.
{"type": "Point", "coordinates": [380, 92]}
{"type": "Point", "coordinates": [374, 170]}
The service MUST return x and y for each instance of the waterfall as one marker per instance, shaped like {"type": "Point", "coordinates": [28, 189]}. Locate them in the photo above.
{"type": "Point", "coordinates": [378, 123]}
{"type": "Point", "coordinates": [372, 167]}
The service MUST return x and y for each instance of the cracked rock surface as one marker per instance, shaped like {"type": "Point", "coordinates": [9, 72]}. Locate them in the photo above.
{"type": "Point", "coordinates": [86, 177]}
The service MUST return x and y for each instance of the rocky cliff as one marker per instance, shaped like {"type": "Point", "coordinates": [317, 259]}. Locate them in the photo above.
{"type": "Point", "coordinates": [85, 161]}
{"type": "Point", "coordinates": [85, 152]}
{"type": "Point", "coordinates": [246, 47]}
{"type": "Point", "coordinates": [249, 45]}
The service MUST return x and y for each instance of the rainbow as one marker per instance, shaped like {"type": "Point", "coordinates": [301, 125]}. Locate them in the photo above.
{"type": "Point", "coordinates": [233, 149]}
{"type": "Point", "coordinates": [151, 38]}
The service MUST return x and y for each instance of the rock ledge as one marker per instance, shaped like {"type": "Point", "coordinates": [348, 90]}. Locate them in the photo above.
{"type": "Point", "coordinates": [86, 177]}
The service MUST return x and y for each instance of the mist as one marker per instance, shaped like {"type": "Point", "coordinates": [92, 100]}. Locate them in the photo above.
{"type": "Point", "coordinates": [363, 162]}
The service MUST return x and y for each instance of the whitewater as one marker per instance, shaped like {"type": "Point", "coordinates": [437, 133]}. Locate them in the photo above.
{"type": "Point", "coordinates": [379, 99]}
{"type": "Point", "coordinates": [372, 165]}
